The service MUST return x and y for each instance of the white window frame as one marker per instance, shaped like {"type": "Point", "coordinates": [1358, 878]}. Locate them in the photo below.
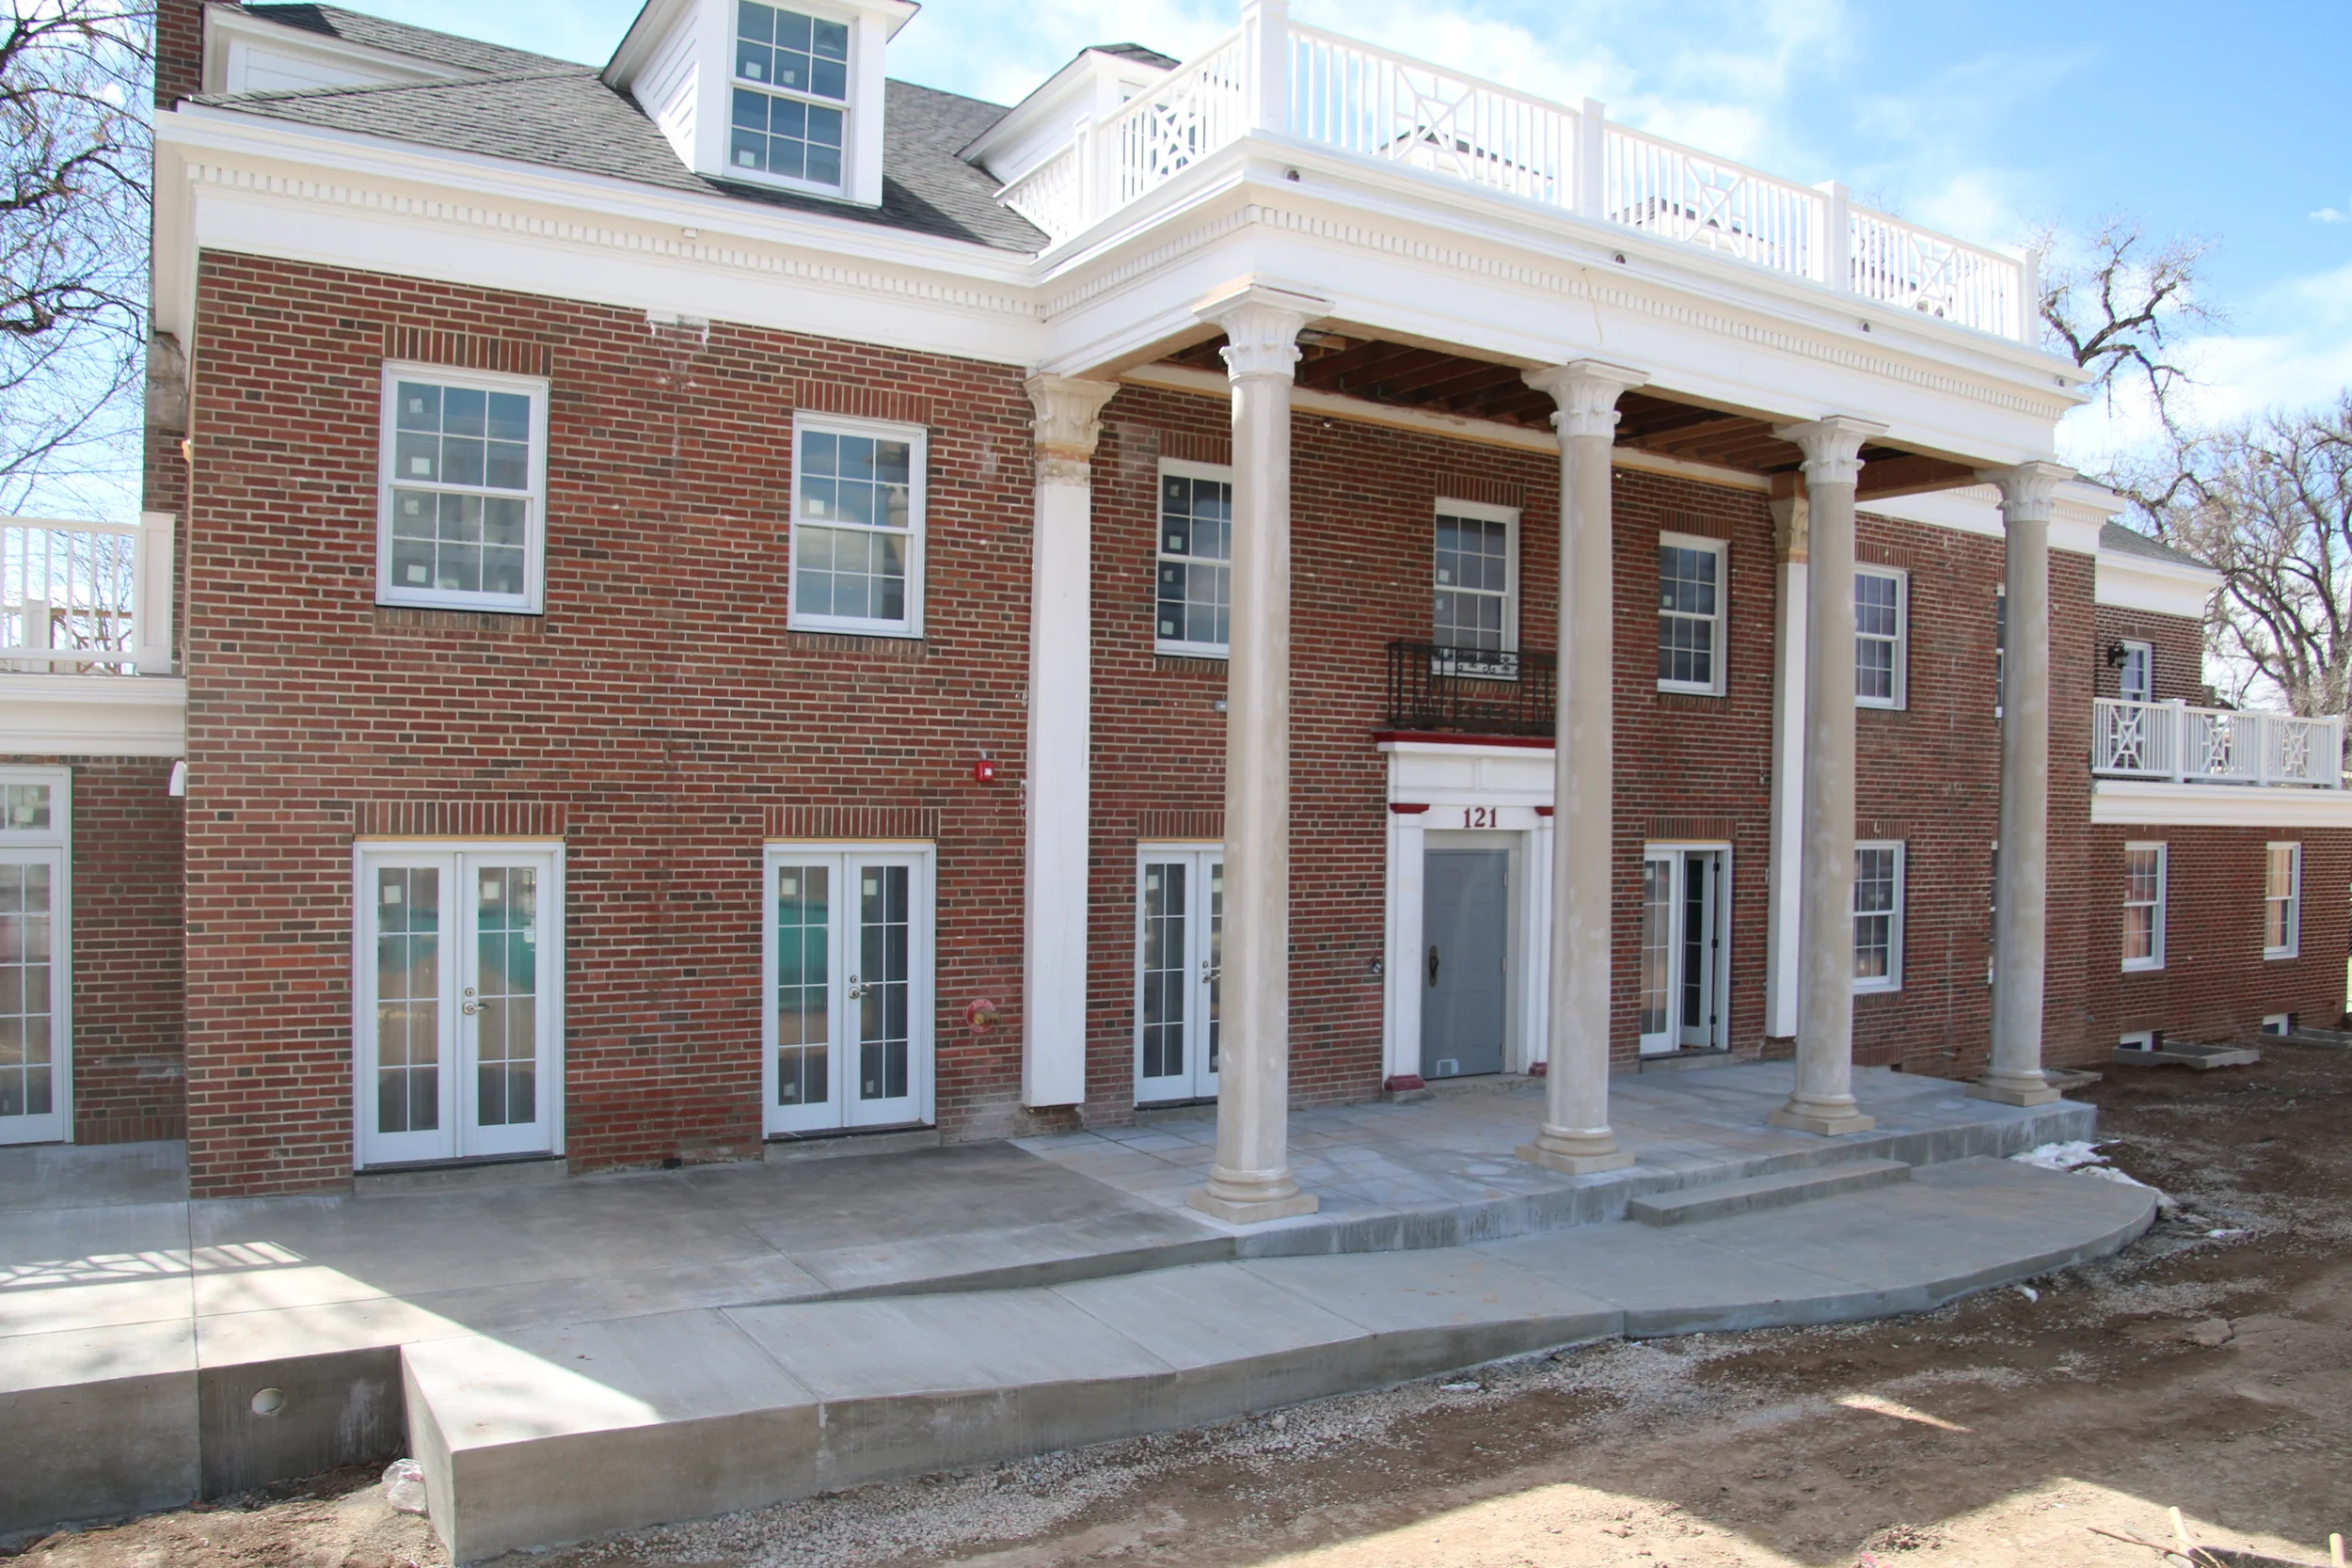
{"type": "Point", "coordinates": [2147, 652]}
{"type": "Point", "coordinates": [1893, 979]}
{"type": "Point", "coordinates": [533, 599]}
{"type": "Point", "coordinates": [366, 854]}
{"type": "Point", "coordinates": [1721, 620]}
{"type": "Point", "coordinates": [1216, 473]}
{"type": "Point", "coordinates": [922, 1041]}
{"type": "Point", "coordinates": [2154, 960]}
{"type": "Point", "coordinates": [847, 102]}
{"type": "Point", "coordinates": [2292, 900]}
{"type": "Point", "coordinates": [1478, 512]}
{"type": "Point", "coordinates": [53, 843]}
{"type": "Point", "coordinates": [918, 486]}
{"type": "Point", "coordinates": [1900, 696]}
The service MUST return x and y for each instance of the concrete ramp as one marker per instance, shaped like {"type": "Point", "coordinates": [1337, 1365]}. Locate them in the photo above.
{"type": "Point", "coordinates": [543, 1435]}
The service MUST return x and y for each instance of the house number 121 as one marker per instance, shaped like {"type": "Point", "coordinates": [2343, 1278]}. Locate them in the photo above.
{"type": "Point", "coordinates": [1478, 817]}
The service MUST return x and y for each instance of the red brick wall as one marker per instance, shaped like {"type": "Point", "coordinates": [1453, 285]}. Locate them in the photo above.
{"type": "Point", "coordinates": [2216, 985]}
{"type": "Point", "coordinates": [2179, 644]}
{"type": "Point", "coordinates": [179, 51]}
{"type": "Point", "coordinates": [129, 1050]}
{"type": "Point", "coordinates": [660, 702]}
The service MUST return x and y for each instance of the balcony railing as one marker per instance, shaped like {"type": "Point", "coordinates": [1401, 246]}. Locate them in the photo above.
{"type": "Point", "coordinates": [1273, 76]}
{"type": "Point", "coordinates": [2181, 744]}
{"type": "Point", "coordinates": [86, 598]}
{"type": "Point", "coordinates": [1470, 691]}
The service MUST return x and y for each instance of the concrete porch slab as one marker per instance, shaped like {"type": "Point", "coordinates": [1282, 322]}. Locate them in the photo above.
{"type": "Point", "coordinates": [318, 1295]}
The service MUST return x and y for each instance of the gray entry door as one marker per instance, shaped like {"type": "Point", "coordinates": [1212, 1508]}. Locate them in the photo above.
{"type": "Point", "coordinates": [1464, 931]}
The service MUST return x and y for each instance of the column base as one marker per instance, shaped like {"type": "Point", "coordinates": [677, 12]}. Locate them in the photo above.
{"type": "Point", "coordinates": [2031, 1090]}
{"type": "Point", "coordinates": [1822, 1121]}
{"type": "Point", "coordinates": [1249, 1197]}
{"type": "Point", "coordinates": [1575, 1153]}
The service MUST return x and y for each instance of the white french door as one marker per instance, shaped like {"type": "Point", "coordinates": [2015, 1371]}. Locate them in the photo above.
{"type": "Point", "coordinates": [848, 969]}
{"type": "Point", "coordinates": [1682, 971]}
{"type": "Point", "coordinates": [35, 951]}
{"type": "Point", "coordinates": [1179, 925]}
{"type": "Point", "coordinates": [460, 977]}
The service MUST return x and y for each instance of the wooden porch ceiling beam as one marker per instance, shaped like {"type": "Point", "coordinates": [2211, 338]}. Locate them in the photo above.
{"type": "Point", "coordinates": [1325, 370]}
{"type": "Point", "coordinates": [1885, 478]}
{"type": "Point", "coordinates": [1402, 380]}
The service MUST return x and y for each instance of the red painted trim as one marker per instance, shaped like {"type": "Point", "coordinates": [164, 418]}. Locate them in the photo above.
{"type": "Point", "coordinates": [1533, 742]}
{"type": "Point", "coordinates": [1403, 1080]}
{"type": "Point", "coordinates": [1402, 809]}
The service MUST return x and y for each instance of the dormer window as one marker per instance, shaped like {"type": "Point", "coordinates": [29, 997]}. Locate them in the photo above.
{"type": "Point", "coordinates": [790, 91]}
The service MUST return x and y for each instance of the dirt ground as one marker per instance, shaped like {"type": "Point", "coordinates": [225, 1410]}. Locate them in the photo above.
{"type": "Point", "coordinates": [2208, 1368]}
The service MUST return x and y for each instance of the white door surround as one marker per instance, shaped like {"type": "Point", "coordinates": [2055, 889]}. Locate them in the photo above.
{"type": "Point", "coordinates": [1467, 794]}
{"type": "Point", "coordinates": [457, 1022]}
{"type": "Point", "coordinates": [1179, 925]}
{"type": "Point", "coordinates": [1694, 878]}
{"type": "Point", "coordinates": [37, 955]}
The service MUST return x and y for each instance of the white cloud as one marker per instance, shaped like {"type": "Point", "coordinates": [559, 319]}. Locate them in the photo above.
{"type": "Point", "coordinates": [2333, 214]}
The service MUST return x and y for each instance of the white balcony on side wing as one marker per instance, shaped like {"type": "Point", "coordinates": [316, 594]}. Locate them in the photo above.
{"type": "Point", "coordinates": [86, 638]}
{"type": "Point", "coordinates": [1274, 78]}
{"type": "Point", "coordinates": [2174, 743]}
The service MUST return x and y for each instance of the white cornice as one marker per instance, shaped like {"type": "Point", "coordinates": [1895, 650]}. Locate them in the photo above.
{"type": "Point", "coordinates": [2136, 803]}
{"type": "Point", "coordinates": [93, 715]}
{"type": "Point", "coordinates": [1492, 432]}
{"type": "Point", "coordinates": [2158, 587]}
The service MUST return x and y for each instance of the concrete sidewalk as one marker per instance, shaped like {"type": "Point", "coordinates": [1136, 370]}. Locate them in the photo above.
{"type": "Point", "coordinates": [136, 1327]}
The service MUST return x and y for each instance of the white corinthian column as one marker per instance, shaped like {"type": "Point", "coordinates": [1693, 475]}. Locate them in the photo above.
{"type": "Point", "coordinates": [1575, 1136]}
{"type": "Point", "coordinates": [2014, 1076]}
{"type": "Point", "coordinates": [1824, 1101]}
{"type": "Point", "coordinates": [1059, 792]}
{"type": "Point", "coordinates": [1251, 1179]}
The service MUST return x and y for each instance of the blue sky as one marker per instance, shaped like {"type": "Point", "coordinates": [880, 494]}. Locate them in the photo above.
{"type": "Point", "coordinates": [1985, 118]}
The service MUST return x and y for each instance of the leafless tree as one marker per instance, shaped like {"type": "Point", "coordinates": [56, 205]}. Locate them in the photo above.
{"type": "Point", "coordinates": [2268, 505]}
{"type": "Point", "coordinates": [74, 166]}
{"type": "Point", "coordinates": [2119, 308]}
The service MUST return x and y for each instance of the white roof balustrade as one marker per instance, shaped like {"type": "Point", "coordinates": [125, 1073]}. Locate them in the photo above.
{"type": "Point", "coordinates": [1273, 76]}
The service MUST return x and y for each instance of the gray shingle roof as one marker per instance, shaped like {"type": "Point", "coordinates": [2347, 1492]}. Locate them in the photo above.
{"type": "Point", "coordinates": [2125, 540]}
{"type": "Point", "coordinates": [535, 110]}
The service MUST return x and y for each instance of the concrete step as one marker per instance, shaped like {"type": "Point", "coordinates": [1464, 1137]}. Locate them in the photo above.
{"type": "Point", "coordinates": [1720, 1199]}
{"type": "Point", "coordinates": [541, 1436]}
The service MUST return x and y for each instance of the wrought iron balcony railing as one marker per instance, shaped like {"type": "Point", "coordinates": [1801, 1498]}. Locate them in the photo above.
{"type": "Point", "coordinates": [1470, 691]}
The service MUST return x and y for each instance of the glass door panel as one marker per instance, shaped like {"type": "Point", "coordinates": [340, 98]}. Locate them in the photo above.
{"type": "Point", "coordinates": [1180, 937]}
{"type": "Point", "coordinates": [849, 990]}
{"type": "Point", "coordinates": [1658, 953]}
{"type": "Point", "coordinates": [502, 1013]}
{"type": "Point", "coordinates": [32, 1079]}
{"type": "Point", "coordinates": [457, 1022]}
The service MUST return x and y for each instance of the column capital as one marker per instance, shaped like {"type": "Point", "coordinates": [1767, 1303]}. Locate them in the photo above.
{"type": "Point", "coordinates": [1262, 324]}
{"type": "Point", "coordinates": [1833, 446]}
{"type": "Point", "coordinates": [1587, 392]}
{"type": "Point", "coordinates": [1067, 426]}
{"type": "Point", "coordinates": [2028, 490]}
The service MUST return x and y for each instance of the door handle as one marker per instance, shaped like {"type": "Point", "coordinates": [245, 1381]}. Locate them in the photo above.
{"type": "Point", "coordinates": [470, 1009]}
{"type": "Point", "coordinates": [1209, 971]}
{"type": "Point", "coordinates": [856, 989]}
{"type": "Point", "coordinates": [1433, 963]}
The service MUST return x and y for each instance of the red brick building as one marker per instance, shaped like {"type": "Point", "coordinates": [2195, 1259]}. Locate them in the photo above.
{"type": "Point", "coordinates": [729, 599]}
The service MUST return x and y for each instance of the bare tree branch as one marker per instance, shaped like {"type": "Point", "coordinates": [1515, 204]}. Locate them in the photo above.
{"type": "Point", "coordinates": [2119, 312]}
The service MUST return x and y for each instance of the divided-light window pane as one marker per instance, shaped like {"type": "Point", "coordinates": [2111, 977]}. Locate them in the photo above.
{"type": "Point", "coordinates": [1876, 914]}
{"type": "Point", "coordinates": [779, 132]}
{"type": "Point", "coordinates": [2143, 906]}
{"type": "Point", "coordinates": [1473, 583]}
{"type": "Point", "coordinates": [854, 528]}
{"type": "Point", "coordinates": [1196, 573]}
{"type": "Point", "coordinates": [1689, 616]}
{"type": "Point", "coordinates": [2282, 893]}
{"type": "Point", "coordinates": [1877, 615]}
{"type": "Point", "coordinates": [462, 499]}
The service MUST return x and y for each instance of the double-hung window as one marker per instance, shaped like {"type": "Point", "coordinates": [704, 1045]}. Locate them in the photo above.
{"type": "Point", "coordinates": [1475, 585]}
{"type": "Point", "coordinates": [789, 100]}
{"type": "Point", "coordinates": [1691, 583]}
{"type": "Point", "coordinates": [1878, 916]}
{"type": "Point", "coordinates": [463, 490]}
{"type": "Point", "coordinates": [2136, 678]}
{"type": "Point", "coordinates": [857, 526]}
{"type": "Point", "coordinates": [1195, 610]}
{"type": "Point", "coordinates": [2282, 900]}
{"type": "Point", "coordinates": [2143, 906]}
{"type": "Point", "coordinates": [1882, 614]}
